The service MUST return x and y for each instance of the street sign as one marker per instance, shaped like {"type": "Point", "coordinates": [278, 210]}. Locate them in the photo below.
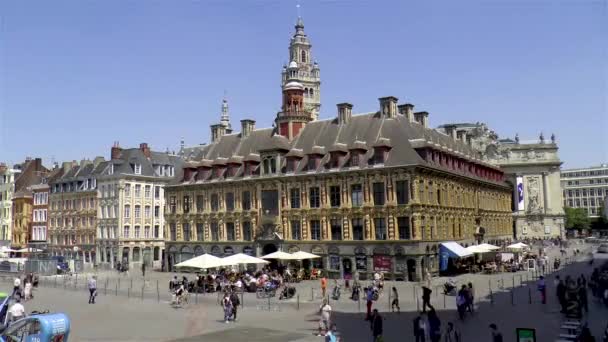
{"type": "Point", "coordinates": [526, 335]}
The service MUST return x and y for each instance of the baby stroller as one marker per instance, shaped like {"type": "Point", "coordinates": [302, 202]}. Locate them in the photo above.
{"type": "Point", "coordinates": [449, 288]}
{"type": "Point", "coordinates": [335, 295]}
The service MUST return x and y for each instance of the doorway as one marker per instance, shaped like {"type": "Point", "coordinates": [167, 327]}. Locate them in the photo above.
{"type": "Point", "coordinates": [347, 268]}
{"type": "Point", "coordinates": [271, 248]}
{"type": "Point", "coordinates": [411, 270]}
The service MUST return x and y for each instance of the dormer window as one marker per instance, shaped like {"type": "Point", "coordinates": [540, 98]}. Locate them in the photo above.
{"type": "Point", "coordinates": [354, 158]}
{"type": "Point", "coordinates": [379, 156]}
{"type": "Point", "coordinates": [137, 168]}
{"type": "Point", "coordinates": [291, 164]}
{"type": "Point", "coordinates": [269, 165]}
{"type": "Point", "coordinates": [313, 162]}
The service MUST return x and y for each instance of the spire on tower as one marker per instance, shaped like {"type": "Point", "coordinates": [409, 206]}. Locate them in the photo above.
{"type": "Point", "coordinates": [225, 116]}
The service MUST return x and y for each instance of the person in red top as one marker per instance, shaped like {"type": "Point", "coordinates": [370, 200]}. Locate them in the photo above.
{"type": "Point", "coordinates": [323, 285]}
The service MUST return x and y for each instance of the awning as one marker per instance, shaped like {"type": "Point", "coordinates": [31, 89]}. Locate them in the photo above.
{"type": "Point", "coordinates": [448, 250]}
{"type": "Point", "coordinates": [454, 250]}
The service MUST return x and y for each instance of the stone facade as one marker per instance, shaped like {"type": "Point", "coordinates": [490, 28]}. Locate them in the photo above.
{"type": "Point", "coordinates": [7, 190]}
{"type": "Point", "coordinates": [40, 203]}
{"type": "Point", "coordinates": [22, 219]}
{"type": "Point", "coordinates": [132, 205]}
{"type": "Point", "coordinates": [534, 166]}
{"type": "Point", "coordinates": [73, 207]}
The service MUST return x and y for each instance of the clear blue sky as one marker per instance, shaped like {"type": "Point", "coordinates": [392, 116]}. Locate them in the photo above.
{"type": "Point", "coordinates": [77, 75]}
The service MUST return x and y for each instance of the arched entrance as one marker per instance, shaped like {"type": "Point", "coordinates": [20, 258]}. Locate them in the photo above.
{"type": "Point", "coordinates": [271, 248]}
{"type": "Point", "coordinates": [411, 270]}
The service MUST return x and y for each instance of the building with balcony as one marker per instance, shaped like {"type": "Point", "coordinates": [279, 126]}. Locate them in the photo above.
{"type": "Point", "coordinates": [376, 191]}
{"type": "Point", "coordinates": [132, 204]}
{"type": "Point", "coordinates": [585, 188]}
{"type": "Point", "coordinates": [7, 190]}
{"type": "Point", "coordinates": [72, 214]}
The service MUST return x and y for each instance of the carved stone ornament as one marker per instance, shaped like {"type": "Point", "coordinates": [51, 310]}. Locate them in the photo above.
{"type": "Point", "coordinates": [533, 185]}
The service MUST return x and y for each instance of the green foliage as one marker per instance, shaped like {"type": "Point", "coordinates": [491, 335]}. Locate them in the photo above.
{"type": "Point", "coordinates": [576, 218]}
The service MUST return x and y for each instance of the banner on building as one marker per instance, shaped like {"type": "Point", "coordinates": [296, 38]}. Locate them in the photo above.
{"type": "Point", "coordinates": [520, 194]}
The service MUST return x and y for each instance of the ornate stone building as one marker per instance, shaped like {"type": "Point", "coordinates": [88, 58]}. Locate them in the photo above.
{"type": "Point", "coordinates": [7, 190]}
{"type": "Point", "coordinates": [73, 207]}
{"type": "Point", "coordinates": [131, 206]}
{"type": "Point", "coordinates": [375, 191]}
{"type": "Point", "coordinates": [532, 168]}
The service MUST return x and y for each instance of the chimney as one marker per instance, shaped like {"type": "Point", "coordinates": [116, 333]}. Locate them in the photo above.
{"type": "Point", "coordinates": [422, 118]}
{"type": "Point", "coordinates": [217, 131]}
{"type": "Point", "coordinates": [145, 149]}
{"type": "Point", "coordinates": [66, 166]}
{"type": "Point", "coordinates": [38, 164]}
{"type": "Point", "coordinates": [388, 106]}
{"type": "Point", "coordinates": [247, 126]}
{"type": "Point", "coordinates": [451, 131]}
{"type": "Point", "coordinates": [407, 110]}
{"type": "Point", "coordinates": [98, 160]}
{"type": "Point", "coordinates": [345, 112]}
{"type": "Point", "coordinates": [116, 151]}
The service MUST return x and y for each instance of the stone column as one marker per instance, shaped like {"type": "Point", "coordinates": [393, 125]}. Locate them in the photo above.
{"type": "Point", "coordinates": [111, 257]}
{"type": "Point", "coordinates": [545, 192]}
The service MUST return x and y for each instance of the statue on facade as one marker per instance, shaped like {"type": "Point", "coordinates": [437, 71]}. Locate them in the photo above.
{"type": "Point", "coordinates": [542, 138]}
{"type": "Point", "coordinates": [517, 138]}
{"type": "Point", "coordinates": [553, 138]}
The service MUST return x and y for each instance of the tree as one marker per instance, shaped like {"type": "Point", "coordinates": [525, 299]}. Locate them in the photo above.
{"type": "Point", "coordinates": [601, 223]}
{"type": "Point", "coordinates": [576, 218]}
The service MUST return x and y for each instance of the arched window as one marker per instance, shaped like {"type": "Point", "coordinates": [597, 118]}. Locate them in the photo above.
{"type": "Point", "coordinates": [311, 92]}
{"type": "Point", "coordinates": [303, 56]}
{"type": "Point", "coordinates": [305, 92]}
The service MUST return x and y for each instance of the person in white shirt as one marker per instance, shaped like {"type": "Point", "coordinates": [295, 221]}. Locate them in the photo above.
{"type": "Point", "coordinates": [17, 311]}
{"type": "Point", "coordinates": [325, 318]}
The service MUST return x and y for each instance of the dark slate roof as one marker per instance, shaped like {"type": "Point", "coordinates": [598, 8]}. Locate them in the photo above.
{"type": "Point", "coordinates": [364, 132]}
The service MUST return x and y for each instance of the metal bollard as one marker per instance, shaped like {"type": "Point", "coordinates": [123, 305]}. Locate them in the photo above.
{"type": "Point", "coordinates": [129, 292]}
{"type": "Point", "coordinates": [142, 292]}
{"type": "Point", "coordinates": [105, 287]}
{"type": "Point", "coordinates": [55, 280]}
{"type": "Point", "coordinates": [76, 282]}
{"type": "Point", "coordinates": [157, 292]}
{"type": "Point", "coordinates": [312, 294]}
{"type": "Point", "coordinates": [491, 297]}
{"type": "Point", "coordinates": [529, 295]}
{"type": "Point", "coordinates": [444, 306]}
{"type": "Point", "coordinates": [359, 302]}
{"type": "Point", "coordinates": [116, 289]}
{"type": "Point", "coordinates": [298, 302]}
{"type": "Point", "coordinates": [268, 303]}
{"type": "Point", "coordinates": [196, 297]}
{"type": "Point", "coordinates": [243, 297]}
{"type": "Point", "coordinates": [512, 298]}
{"type": "Point", "coordinates": [131, 283]}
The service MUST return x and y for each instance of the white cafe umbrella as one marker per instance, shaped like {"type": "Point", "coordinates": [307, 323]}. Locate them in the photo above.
{"type": "Point", "coordinates": [202, 261]}
{"type": "Point", "coordinates": [519, 245]}
{"type": "Point", "coordinates": [243, 259]}
{"type": "Point", "coordinates": [6, 249]}
{"type": "Point", "coordinates": [278, 255]}
{"type": "Point", "coordinates": [478, 249]}
{"type": "Point", "coordinates": [301, 255]}
{"type": "Point", "coordinates": [488, 246]}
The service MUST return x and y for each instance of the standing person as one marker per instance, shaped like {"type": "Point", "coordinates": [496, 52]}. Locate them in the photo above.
{"type": "Point", "coordinates": [227, 305]}
{"type": "Point", "coordinates": [17, 287]}
{"type": "Point", "coordinates": [369, 294]}
{"type": "Point", "coordinates": [561, 295]}
{"type": "Point", "coordinates": [28, 290]}
{"type": "Point", "coordinates": [582, 297]}
{"type": "Point", "coordinates": [323, 286]}
{"type": "Point", "coordinates": [420, 328]}
{"type": "Point", "coordinates": [324, 322]}
{"type": "Point", "coordinates": [92, 289]}
{"type": "Point", "coordinates": [376, 325]}
{"type": "Point", "coordinates": [395, 301]}
{"type": "Point", "coordinates": [429, 279]}
{"type": "Point", "coordinates": [461, 302]}
{"type": "Point", "coordinates": [426, 298]}
{"type": "Point", "coordinates": [434, 326]}
{"type": "Point", "coordinates": [234, 298]}
{"type": "Point", "coordinates": [143, 269]}
{"type": "Point", "coordinates": [496, 335]}
{"type": "Point", "coordinates": [470, 298]}
{"type": "Point", "coordinates": [17, 310]}
{"type": "Point", "coordinates": [452, 334]}
{"type": "Point", "coordinates": [542, 288]}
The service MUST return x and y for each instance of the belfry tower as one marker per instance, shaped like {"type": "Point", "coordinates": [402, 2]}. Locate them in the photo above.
{"type": "Point", "coordinates": [303, 69]}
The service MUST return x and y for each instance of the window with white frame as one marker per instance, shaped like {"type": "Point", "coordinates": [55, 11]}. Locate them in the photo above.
{"type": "Point", "coordinates": [137, 190]}
{"type": "Point", "coordinates": [137, 211]}
{"type": "Point", "coordinates": [127, 189]}
{"type": "Point", "coordinates": [127, 213]}
{"type": "Point", "coordinates": [126, 232]}
{"type": "Point", "coordinates": [137, 169]}
{"type": "Point", "coordinates": [147, 212]}
{"type": "Point", "coordinates": [136, 232]}
{"type": "Point", "coordinates": [147, 232]}
{"type": "Point", "coordinates": [147, 191]}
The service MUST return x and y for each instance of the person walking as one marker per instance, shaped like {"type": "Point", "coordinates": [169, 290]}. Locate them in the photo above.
{"type": "Point", "coordinates": [376, 326]}
{"type": "Point", "coordinates": [395, 302]}
{"type": "Point", "coordinates": [234, 298]}
{"type": "Point", "coordinates": [434, 326]}
{"type": "Point", "coordinates": [452, 334]}
{"type": "Point", "coordinates": [143, 269]}
{"type": "Point", "coordinates": [471, 298]}
{"type": "Point", "coordinates": [582, 297]}
{"type": "Point", "coordinates": [92, 289]}
{"type": "Point", "coordinates": [323, 286]}
{"type": "Point", "coordinates": [542, 288]}
{"type": "Point", "coordinates": [369, 294]}
{"type": "Point", "coordinates": [426, 298]}
{"type": "Point", "coordinates": [561, 295]}
{"type": "Point", "coordinates": [420, 328]}
{"type": "Point", "coordinates": [324, 322]}
{"type": "Point", "coordinates": [227, 305]}
{"type": "Point", "coordinates": [461, 302]}
{"type": "Point", "coordinates": [17, 310]}
{"type": "Point", "coordinates": [496, 335]}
